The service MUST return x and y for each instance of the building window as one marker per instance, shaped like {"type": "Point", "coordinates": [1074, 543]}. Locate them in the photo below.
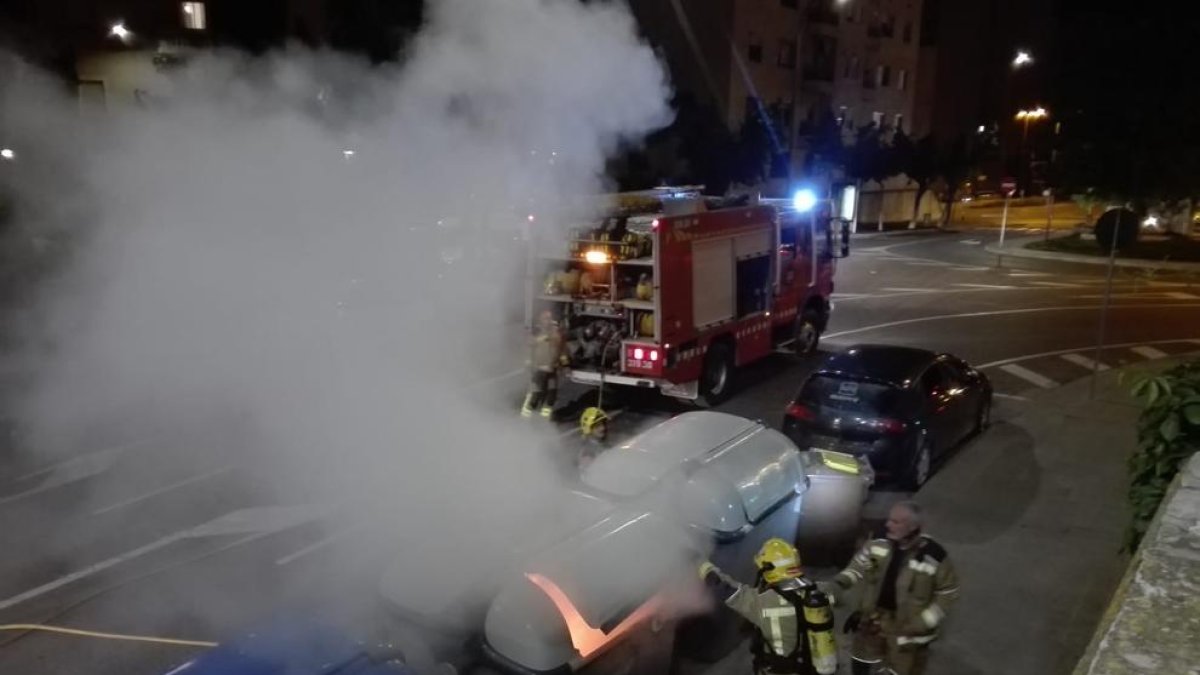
{"type": "Point", "coordinates": [902, 79]}
{"type": "Point", "coordinates": [883, 76]}
{"type": "Point", "coordinates": [898, 123]}
{"type": "Point", "coordinates": [754, 51]}
{"type": "Point", "coordinates": [877, 119]}
{"type": "Point", "coordinates": [787, 54]}
{"type": "Point", "coordinates": [194, 17]}
{"type": "Point", "coordinates": [907, 35]}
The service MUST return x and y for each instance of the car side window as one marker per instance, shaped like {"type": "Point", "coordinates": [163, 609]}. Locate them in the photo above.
{"type": "Point", "coordinates": [933, 381]}
{"type": "Point", "coordinates": [957, 372]}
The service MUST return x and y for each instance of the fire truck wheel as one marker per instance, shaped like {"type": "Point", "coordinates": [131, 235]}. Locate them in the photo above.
{"type": "Point", "coordinates": [808, 334]}
{"type": "Point", "coordinates": [716, 382]}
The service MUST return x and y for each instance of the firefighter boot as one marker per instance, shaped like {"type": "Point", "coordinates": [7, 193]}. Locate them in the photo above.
{"type": "Point", "coordinates": [528, 407]}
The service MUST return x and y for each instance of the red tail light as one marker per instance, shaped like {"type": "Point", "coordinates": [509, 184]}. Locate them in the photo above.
{"type": "Point", "coordinates": [800, 412]}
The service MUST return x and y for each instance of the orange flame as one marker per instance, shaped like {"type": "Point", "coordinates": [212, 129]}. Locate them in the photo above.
{"type": "Point", "coordinates": [587, 639]}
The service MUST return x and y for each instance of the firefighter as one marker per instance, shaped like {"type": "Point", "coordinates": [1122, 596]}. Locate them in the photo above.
{"type": "Point", "coordinates": [907, 585]}
{"type": "Point", "coordinates": [794, 620]}
{"type": "Point", "coordinates": [593, 427]}
{"type": "Point", "coordinates": [546, 356]}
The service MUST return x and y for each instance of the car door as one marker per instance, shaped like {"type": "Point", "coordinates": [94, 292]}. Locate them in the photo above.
{"type": "Point", "coordinates": [938, 407]}
{"type": "Point", "coordinates": [967, 392]}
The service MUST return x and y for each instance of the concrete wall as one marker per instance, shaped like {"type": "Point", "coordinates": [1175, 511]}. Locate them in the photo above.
{"type": "Point", "coordinates": [896, 200]}
{"type": "Point", "coordinates": [1153, 623]}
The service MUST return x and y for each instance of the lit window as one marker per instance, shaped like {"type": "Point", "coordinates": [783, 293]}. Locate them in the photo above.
{"type": "Point", "coordinates": [877, 119]}
{"type": "Point", "coordinates": [902, 79]}
{"type": "Point", "coordinates": [193, 16]}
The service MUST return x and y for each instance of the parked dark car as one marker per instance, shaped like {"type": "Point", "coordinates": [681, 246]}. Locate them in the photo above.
{"type": "Point", "coordinates": [901, 408]}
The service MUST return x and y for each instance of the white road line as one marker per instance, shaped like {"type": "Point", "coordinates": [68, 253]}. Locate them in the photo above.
{"type": "Point", "coordinates": [163, 490]}
{"type": "Point", "coordinates": [1056, 284]}
{"type": "Point", "coordinates": [993, 287]}
{"type": "Point", "coordinates": [971, 242]}
{"type": "Point", "coordinates": [848, 296]}
{"type": "Point", "coordinates": [1176, 295]}
{"type": "Point", "coordinates": [1083, 361]}
{"type": "Point", "coordinates": [1012, 397]}
{"type": "Point", "coordinates": [1028, 274]}
{"type": "Point", "coordinates": [117, 449]}
{"type": "Point", "coordinates": [1148, 352]}
{"type": "Point", "coordinates": [315, 546]}
{"type": "Point", "coordinates": [1029, 376]}
{"type": "Point", "coordinates": [926, 263]}
{"type": "Point", "coordinates": [71, 471]}
{"type": "Point", "coordinates": [1001, 312]}
{"type": "Point", "coordinates": [251, 524]}
{"type": "Point", "coordinates": [909, 290]}
{"type": "Point", "coordinates": [1125, 345]}
{"type": "Point", "coordinates": [964, 268]}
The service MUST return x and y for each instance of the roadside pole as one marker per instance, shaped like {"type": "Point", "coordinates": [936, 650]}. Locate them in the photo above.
{"type": "Point", "coordinates": [1049, 212]}
{"type": "Point", "coordinates": [1008, 186]}
{"type": "Point", "coordinates": [1100, 333]}
{"type": "Point", "coordinates": [1004, 218]}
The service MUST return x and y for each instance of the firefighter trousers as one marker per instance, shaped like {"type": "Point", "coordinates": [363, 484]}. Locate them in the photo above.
{"type": "Point", "coordinates": [876, 650]}
{"type": "Point", "coordinates": [543, 390]}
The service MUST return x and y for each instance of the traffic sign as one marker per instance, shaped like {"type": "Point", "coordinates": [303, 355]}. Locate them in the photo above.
{"type": "Point", "coordinates": [1008, 185]}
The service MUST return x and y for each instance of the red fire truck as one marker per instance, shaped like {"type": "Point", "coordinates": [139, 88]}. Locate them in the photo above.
{"type": "Point", "coordinates": [675, 290]}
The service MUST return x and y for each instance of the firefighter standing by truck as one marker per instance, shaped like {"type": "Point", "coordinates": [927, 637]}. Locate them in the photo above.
{"type": "Point", "coordinates": [794, 620]}
{"type": "Point", "coordinates": [908, 584]}
{"type": "Point", "coordinates": [546, 356]}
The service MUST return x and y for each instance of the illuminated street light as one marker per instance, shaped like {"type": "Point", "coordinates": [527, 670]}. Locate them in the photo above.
{"type": "Point", "coordinates": [8, 154]}
{"type": "Point", "coordinates": [1023, 58]}
{"type": "Point", "coordinates": [1028, 116]}
{"type": "Point", "coordinates": [119, 31]}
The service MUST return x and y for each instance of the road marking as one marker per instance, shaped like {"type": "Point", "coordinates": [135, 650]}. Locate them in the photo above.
{"type": "Point", "coordinates": [1056, 284]}
{"type": "Point", "coordinates": [1125, 345]}
{"type": "Point", "coordinates": [971, 242]}
{"type": "Point", "coordinates": [70, 471]}
{"type": "Point", "coordinates": [251, 524]}
{"type": "Point", "coordinates": [315, 546]}
{"type": "Point", "coordinates": [1012, 397]}
{"type": "Point", "coordinates": [1001, 312]}
{"type": "Point", "coordinates": [910, 290]}
{"type": "Point", "coordinates": [1148, 352]}
{"type": "Point", "coordinates": [848, 296]}
{"type": "Point", "coordinates": [1028, 274]}
{"type": "Point", "coordinates": [1085, 362]}
{"type": "Point", "coordinates": [988, 286]}
{"type": "Point", "coordinates": [925, 263]}
{"type": "Point", "coordinates": [162, 490]}
{"type": "Point", "coordinates": [964, 268]}
{"type": "Point", "coordinates": [1029, 376]}
{"type": "Point", "coordinates": [1176, 295]}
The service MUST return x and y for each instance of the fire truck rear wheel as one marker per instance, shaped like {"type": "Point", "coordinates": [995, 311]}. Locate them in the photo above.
{"type": "Point", "coordinates": [808, 333]}
{"type": "Point", "coordinates": [716, 382]}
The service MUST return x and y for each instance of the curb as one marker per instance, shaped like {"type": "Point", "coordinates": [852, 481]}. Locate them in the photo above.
{"type": "Point", "coordinates": [1022, 252]}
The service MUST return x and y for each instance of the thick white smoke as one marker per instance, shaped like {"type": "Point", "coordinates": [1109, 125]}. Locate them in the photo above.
{"type": "Point", "coordinates": [320, 255]}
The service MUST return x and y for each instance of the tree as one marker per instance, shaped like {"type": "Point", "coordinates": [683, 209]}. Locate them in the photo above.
{"type": "Point", "coordinates": [762, 144]}
{"type": "Point", "coordinates": [919, 161]}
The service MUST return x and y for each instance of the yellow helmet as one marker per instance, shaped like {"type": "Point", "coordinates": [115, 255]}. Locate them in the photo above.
{"type": "Point", "coordinates": [591, 421]}
{"type": "Point", "coordinates": [778, 561]}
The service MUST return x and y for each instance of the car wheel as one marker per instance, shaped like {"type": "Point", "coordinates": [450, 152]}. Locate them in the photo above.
{"type": "Point", "coordinates": [922, 467]}
{"type": "Point", "coordinates": [808, 335]}
{"type": "Point", "coordinates": [984, 419]}
{"type": "Point", "coordinates": [716, 381]}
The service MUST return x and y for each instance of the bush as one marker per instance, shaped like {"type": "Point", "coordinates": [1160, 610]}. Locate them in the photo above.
{"type": "Point", "coordinates": [1168, 433]}
{"type": "Point", "coordinates": [1120, 223]}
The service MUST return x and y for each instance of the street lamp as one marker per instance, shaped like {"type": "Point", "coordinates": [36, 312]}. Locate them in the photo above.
{"type": "Point", "coordinates": [1023, 58]}
{"type": "Point", "coordinates": [119, 31]}
{"type": "Point", "coordinates": [8, 154]}
{"type": "Point", "coordinates": [1026, 117]}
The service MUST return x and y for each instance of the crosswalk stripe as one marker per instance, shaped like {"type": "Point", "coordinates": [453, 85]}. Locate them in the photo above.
{"type": "Point", "coordinates": [969, 269]}
{"type": "Point", "coordinates": [1081, 360]}
{"type": "Point", "coordinates": [1028, 274]}
{"type": "Point", "coordinates": [1029, 376]}
{"type": "Point", "coordinates": [991, 286]}
{"type": "Point", "coordinates": [1055, 284]}
{"type": "Point", "coordinates": [1148, 352]}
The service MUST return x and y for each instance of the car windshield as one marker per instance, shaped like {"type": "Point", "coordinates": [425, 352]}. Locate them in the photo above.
{"type": "Point", "coordinates": [847, 395]}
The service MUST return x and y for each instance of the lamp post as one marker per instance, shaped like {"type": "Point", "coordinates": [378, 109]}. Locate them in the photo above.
{"type": "Point", "coordinates": [1026, 117]}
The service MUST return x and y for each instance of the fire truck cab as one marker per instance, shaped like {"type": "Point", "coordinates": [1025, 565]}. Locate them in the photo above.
{"type": "Point", "coordinates": [675, 290]}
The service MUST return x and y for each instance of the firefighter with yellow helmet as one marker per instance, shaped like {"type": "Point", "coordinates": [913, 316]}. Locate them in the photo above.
{"type": "Point", "coordinates": [794, 620]}
{"type": "Point", "coordinates": [546, 356]}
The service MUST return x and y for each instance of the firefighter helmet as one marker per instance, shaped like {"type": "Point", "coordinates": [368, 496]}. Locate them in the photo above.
{"type": "Point", "coordinates": [778, 560]}
{"type": "Point", "coordinates": [593, 421]}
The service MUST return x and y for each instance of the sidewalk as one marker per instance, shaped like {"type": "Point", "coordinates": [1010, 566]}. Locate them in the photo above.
{"type": "Point", "coordinates": [1035, 530]}
{"type": "Point", "coordinates": [1016, 249]}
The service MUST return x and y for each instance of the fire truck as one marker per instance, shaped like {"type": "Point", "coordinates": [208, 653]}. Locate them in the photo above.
{"type": "Point", "coordinates": [676, 291]}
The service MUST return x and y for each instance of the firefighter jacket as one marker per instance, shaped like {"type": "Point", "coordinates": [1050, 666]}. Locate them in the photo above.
{"type": "Point", "coordinates": [546, 350]}
{"type": "Point", "coordinates": [926, 585]}
{"type": "Point", "coordinates": [781, 643]}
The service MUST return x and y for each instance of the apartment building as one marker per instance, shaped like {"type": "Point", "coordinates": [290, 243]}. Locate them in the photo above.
{"type": "Point", "coordinates": [878, 59]}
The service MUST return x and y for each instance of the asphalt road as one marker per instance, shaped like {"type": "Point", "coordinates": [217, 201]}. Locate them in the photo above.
{"type": "Point", "coordinates": [182, 536]}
